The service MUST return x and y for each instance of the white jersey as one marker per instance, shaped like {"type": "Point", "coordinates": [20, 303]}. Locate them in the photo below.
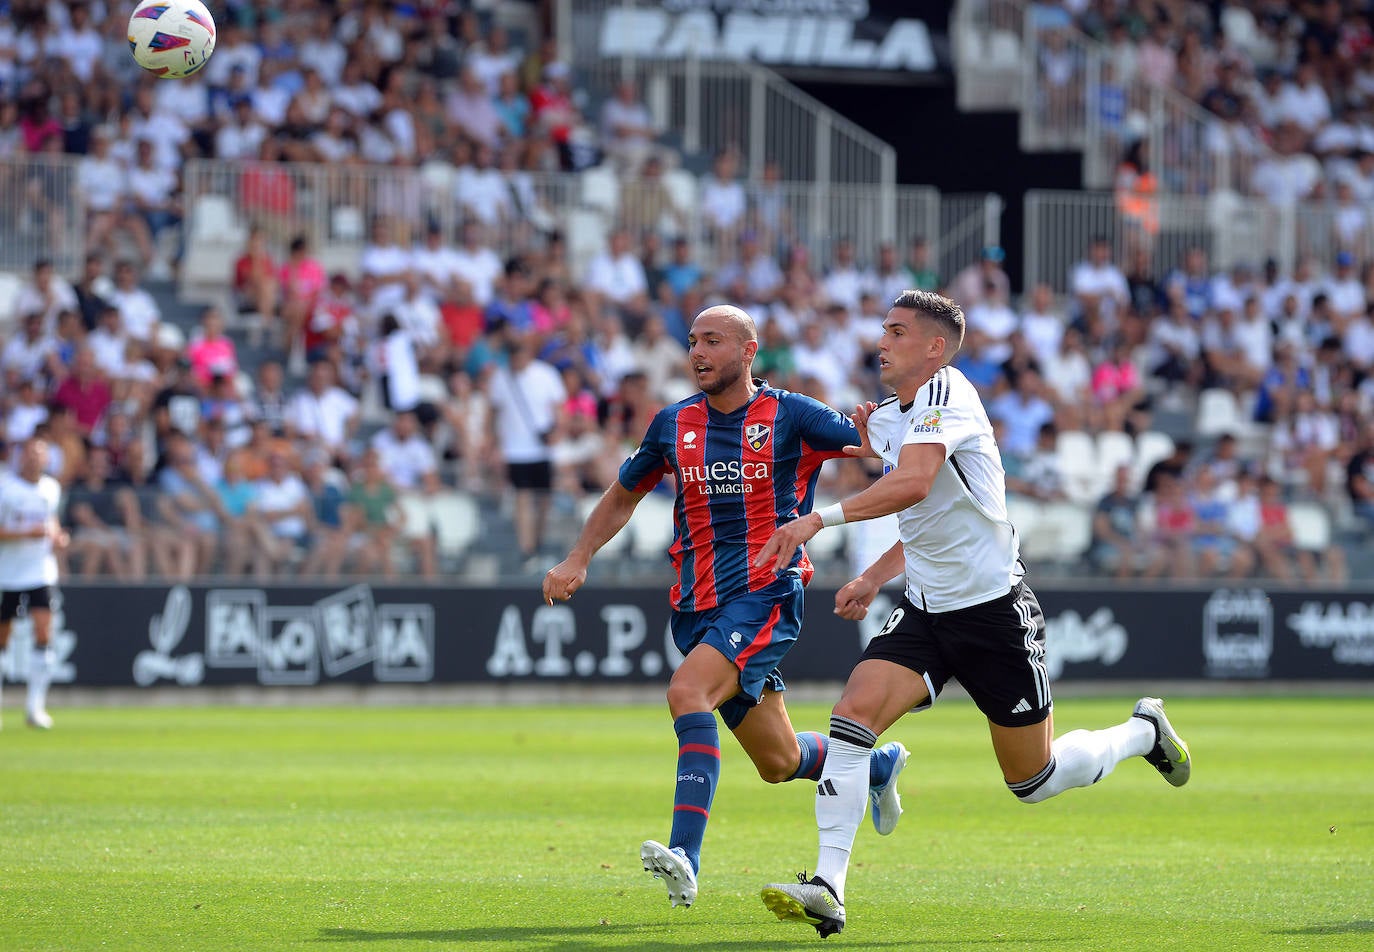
{"type": "Point", "coordinates": [961, 549]}
{"type": "Point", "coordinates": [27, 563]}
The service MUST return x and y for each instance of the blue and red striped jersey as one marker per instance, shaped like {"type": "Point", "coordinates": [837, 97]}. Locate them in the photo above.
{"type": "Point", "coordinates": [739, 476]}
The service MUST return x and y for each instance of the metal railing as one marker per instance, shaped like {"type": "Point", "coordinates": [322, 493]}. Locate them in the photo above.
{"type": "Point", "coordinates": [1190, 150]}
{"type": "Point", "coordinates": [709, 106]}
{"type": "Point", "coordinates": [41, 213]}
{"type": "Point", "coordinates": [987, 48]}
{"type": "Point", "coordinates": [1055, 86]}
{"type": "Point", "coordinates": [1060, 226]}
{"type": "Point", "coordinates": [968, 224]}
{"type": "Point", "coordinates": [1071, 95]}
{"type": "Point", "coordinates": [335, 208]}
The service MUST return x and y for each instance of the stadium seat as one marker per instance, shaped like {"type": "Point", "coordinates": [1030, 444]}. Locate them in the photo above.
{"type": "Point", "coordinates": [243, 384]}
{"type": "Point", "coordinates": [618, 544]}
{"type": "Point", "coordinates": [1311, 525]}
{"type": "Point", "coordinates": [457, 522]}
{"type": "Point", "coordinates": [432, 389]}
{"type": "Point", "coordinates": [340, 257]}
{"type": "Point", "coordinates": [1077, 453]}
{"type": "Point", "coordinates": [601, 190]}
{"type": "Point", "coordinates": [1150, 447]}
{"type": "Point", "coordinates": [651, 527]}
{"type": "Point", "coordinates": [346, 224]}
{"type": "Point", "coordinates": [1065, 531]}
{"type": "Point", "coordinates": [415, 508]}
{"type": "Point", "coordinates": [586, 237]}
{"type": "Point", "coordinates": [215, 236]}
{"type": "Point", "coordinates": [682, 189]}
{"type": "Point", "coordinates": [1114, 449]}
{"type": "Point", "coordinates": [1023, 514]}
{"type": "Point", "coordinates": [10, 286]}
{"type": "Point", "coordinates": [1218, 412]}
{"type": "Point", "coordinates": [437, 178]}
{"type": "Point", "coordinates": [1003, 50]}
{"type": "Point", "coordinates": [677, 389]}
{"type": "Point", "coordinates": [214, 221]}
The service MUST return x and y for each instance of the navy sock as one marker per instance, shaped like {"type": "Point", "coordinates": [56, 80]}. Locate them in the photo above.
{"type": "Point", "coordinates": [698, 769]}
{"type": "Point", "coordinates": [812, 746]}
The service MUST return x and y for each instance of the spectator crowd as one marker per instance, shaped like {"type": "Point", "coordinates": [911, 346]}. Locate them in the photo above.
{"type": "Point", "coordinates": [330, 437]}
{"type": "Point", "coordinates": [1288, 89]}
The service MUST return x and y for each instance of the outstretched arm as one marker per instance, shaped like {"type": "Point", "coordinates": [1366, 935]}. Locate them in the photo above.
{"type": "Point", "coordinates": [896, 490]}
{"type": "Point", "coordinates": [606, 519]}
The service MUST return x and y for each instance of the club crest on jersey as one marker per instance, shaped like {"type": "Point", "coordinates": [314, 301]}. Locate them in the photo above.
{"type": "Point", "coordinates": [757, 435]}
{"type": "Point", "coordinates": [930, 423]}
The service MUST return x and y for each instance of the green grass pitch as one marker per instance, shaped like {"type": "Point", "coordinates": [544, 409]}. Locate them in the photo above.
{"type": "Point", "coordinates": [493, 828]}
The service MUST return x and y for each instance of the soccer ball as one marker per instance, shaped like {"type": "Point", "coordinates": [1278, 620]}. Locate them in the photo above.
{"type": "Point", "coordinates": [171, 38]}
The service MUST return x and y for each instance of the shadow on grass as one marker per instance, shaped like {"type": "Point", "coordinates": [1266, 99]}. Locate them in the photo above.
{"type": "Point", "coordinates": [573, 938]}
{"type": "Point", "coordinates": [1333, 928]}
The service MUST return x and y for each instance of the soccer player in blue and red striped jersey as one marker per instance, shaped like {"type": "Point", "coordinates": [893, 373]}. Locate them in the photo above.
{"type": "Point", "coordinates": [745, 457]}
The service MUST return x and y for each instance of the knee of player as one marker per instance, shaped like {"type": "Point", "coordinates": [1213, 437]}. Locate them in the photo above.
{"type": "Point", "coordinates": [775, 770]}
{"type": "Point", "coordinates": [683, 698]}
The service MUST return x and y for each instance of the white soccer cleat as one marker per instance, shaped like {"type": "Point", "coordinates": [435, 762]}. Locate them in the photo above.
{"type": "Point", "coordinates": [674, 868]}
{"type": "Point", "coordinates": [39, 719]}
{"type": "Point", "coordinates": [807, 900]}
{"type": "Point", "coordinates": [1170, 754]}
{"type": "Point", "coordinates": [885, 804]}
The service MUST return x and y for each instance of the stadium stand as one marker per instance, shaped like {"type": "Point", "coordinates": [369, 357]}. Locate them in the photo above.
{"type": "Point", "coordinates": [483, 137]}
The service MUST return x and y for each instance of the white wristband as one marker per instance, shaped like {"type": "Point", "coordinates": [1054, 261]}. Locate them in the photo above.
{"type": "Point", "coordinates": [832, 515]}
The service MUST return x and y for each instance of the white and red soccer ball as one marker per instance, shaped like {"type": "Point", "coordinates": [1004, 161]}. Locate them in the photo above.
{"type": "Point", "coordinates": [171, 38]}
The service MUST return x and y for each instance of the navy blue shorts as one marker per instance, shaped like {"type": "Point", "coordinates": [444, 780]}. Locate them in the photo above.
{"type": "Point", "coordinates": [754, 631]}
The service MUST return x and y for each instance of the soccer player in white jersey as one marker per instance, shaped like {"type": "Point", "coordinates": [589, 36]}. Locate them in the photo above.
{"type": "Point", "coordinates": [966, 614]}
{"type": "Point", "coordinates": [29, 532]}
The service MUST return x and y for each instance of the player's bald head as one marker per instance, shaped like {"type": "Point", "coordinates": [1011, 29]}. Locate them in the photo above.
{"type": "Point", "coordinates": [734, 320]}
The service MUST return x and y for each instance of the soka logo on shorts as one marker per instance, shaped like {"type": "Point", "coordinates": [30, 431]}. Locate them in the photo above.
{"type": "Point", "coordinates": [757, 435]}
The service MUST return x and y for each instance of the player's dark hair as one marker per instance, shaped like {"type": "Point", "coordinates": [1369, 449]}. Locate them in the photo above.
{"type": "Point", "coordinates": [940, 309]}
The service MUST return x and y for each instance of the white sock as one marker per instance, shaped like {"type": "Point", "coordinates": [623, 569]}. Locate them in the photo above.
{"type": "Point", "coordinates": [40, 673]}
{"type": "Point", "coordinates": [841, 797]}
{"type": "Point", "coordinates": [1081, 758]}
